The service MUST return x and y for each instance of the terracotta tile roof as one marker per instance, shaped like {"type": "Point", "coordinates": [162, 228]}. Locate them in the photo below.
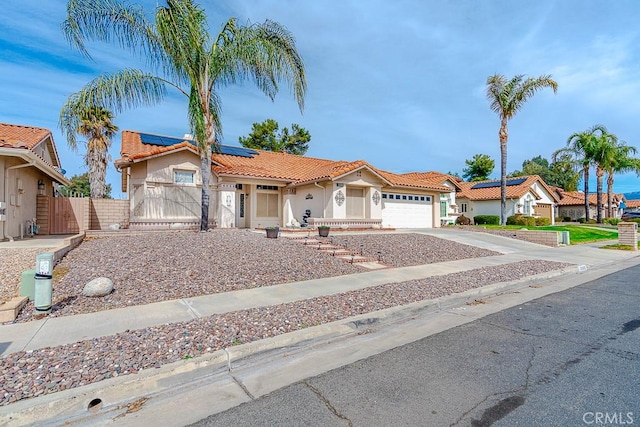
{"type": "Point", "coordinates": [633, 203]}
{"type": "Point", "coordinates": [280, 166]}
{"type": "Point", "coordinates": [13, 135]}
{"type": "Point", "coordinates": [571, 198]}
{"type": "Point", "coordinates": [493, 193]}
{"type": "Point", "coordinates": [434, 177]}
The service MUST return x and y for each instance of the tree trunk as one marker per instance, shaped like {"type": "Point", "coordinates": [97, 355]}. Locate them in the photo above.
{"type": "Point", "coordinates": [599, 176]}
{"type": "Point", "coordinates": [97, 162]}
{"type": "Point", "coordinates": [610, 195]}
{"type": "Point", "coordinates": [586, 193]}
{"type": "Point", "coordinates": [205, 165]}
{"type": "Point", "coordinates": [504, 136]}
{"type": "Point", "coordinates": [205, 170]}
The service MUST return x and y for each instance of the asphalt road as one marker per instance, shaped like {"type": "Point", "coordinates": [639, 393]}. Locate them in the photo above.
{"type": "Point", "coordinates": [568, 359]}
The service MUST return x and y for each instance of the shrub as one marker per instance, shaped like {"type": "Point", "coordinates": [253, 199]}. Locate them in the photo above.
{"type": "Point", "coordinates": [512, 220]}
{"type": "Point", "coordinates": [612, 221]}
{"type": "Point", "coordinates": [592, 221]}
{"type": "Point", "coordinates": [463, 220]}
{"type": "Point", "coordinates": [486, 219]}
{"type": "Point", "coordinates": [636, 220]}
{"type": "Point", "coordinates": [527, 221]}
{"type": "Point", "coordinates": [581, 220]}
{"type": "Point", "coordinates": [542, 222]}
{"type": "Point", "coordinates": [567, 219]}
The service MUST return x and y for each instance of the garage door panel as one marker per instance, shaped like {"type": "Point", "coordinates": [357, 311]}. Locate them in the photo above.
{"type": "Point", "coordinates": [407, 214]}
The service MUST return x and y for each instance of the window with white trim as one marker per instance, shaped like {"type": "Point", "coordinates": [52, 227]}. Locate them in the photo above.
{"type": "Point", "coordinates": [184, 177]}
{"type": "Point", "coordinates": [463, 208]}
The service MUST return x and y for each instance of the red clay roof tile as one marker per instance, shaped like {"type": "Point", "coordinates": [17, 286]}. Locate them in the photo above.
{"type": "Point", "coordinates": [282, 166]}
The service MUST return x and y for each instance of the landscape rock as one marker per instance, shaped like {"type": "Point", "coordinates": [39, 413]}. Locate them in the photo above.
{"type": "Point", "coordinates": [98, 287]}
{"type": "Point", "coordinates": [114, 227]}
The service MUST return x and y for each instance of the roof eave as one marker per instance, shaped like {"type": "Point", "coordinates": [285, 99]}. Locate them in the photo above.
{"type": "Point", "coordinates": [30, 157]}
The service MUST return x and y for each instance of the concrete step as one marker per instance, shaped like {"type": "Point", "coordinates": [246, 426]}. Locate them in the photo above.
{"type": "Point", "coordinates": [353, 258]}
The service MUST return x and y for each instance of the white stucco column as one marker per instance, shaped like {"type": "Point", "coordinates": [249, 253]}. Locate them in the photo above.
{"type": "Point", "coordinates": [288, 206]}
{"type": "Point", "coordinates": [227, 205]}
{"type": "Point", "coordinates": [339, 200]}
{"type": "Point", "coordinates": [375, 203]}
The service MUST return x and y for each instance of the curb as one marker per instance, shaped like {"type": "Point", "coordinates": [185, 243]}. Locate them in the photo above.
{"type": "Point", "coordinates": [115, 397]}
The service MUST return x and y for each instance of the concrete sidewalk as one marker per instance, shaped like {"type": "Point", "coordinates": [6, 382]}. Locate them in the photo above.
{"type": "Point", "coordinates": [54, 331]}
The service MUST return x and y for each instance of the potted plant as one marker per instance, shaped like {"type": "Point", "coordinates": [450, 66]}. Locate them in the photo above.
{"type": "Point", "coordinates": [272, 232]}
{"type": "Point", "coordinates": [323, 230]}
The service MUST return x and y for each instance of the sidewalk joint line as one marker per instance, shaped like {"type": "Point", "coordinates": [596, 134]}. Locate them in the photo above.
{"type": "Point", "coordinates": [242, 386]}
{"type": "Point", "coordinates": [35, 333]}
{"type": "Point", "coordinates": [190, 309]}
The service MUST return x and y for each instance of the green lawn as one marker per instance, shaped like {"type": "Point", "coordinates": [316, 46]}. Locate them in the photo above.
{"type": "Point", "coordinates": [577, 233]}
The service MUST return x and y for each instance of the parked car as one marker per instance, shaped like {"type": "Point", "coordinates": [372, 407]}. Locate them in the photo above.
{"type": "Point", "coordinates": [630, 215]}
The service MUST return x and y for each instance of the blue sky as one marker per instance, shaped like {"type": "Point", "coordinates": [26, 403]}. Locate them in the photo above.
{"type": "Point", "coordinates": [400, 84]}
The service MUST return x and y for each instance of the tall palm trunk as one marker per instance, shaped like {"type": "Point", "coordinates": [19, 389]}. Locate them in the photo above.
{"type": "Point", "coordinates": [586, 192]}
{"type": "Point", "coordinates": [599, 179]}
{"type": "Point", "coordinates": [504, 136]}
{"type": "Point", "coordinates": [610, 195]}
{"type": "Point", "coordinates": [97, 162]}
{"type": "Point", "coordinates": [205, 168]}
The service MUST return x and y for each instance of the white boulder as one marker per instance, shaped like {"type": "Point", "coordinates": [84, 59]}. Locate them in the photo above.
{"type": "Point", "coordinates": [98, 287]}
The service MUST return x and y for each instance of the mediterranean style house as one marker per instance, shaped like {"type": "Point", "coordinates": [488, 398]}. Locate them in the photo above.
{"type": "Point", "coordinates": [256, 188]}
{"type": "Point", "coordinates": [29, 166]}
{"type": "Point", "coordinates": [571, 204]}
{"type": "Point", "coordinates": [526, 195]}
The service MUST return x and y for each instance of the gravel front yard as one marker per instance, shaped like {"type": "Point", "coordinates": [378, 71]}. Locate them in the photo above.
{"type": "Point", "coordinates": [47, 370]}
{"type": "Point", "coordinates": [152, 267]}
{"type": "Point", "coordinates": [12, 263]}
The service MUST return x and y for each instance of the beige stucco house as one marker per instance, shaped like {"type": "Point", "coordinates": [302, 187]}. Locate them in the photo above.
{"type": "Point", "coordinates": [29, 165]}
{"type": "Point", "coordinates": [571, 205]}
{"type": "Point", "coordinates": [527, 195]}
{"type": "Point", "coordinates": [255, 188]}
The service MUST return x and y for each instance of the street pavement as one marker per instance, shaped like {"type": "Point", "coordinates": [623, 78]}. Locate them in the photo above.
{"type": "Point", "coordinates": [566, 359]}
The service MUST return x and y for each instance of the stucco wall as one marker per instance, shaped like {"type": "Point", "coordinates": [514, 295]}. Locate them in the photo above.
{"type": "Point", "coordinates": [155, 197]}
{"type": "Point", "coordinates": [312, 198]}
{"type": "Point", "coordinates": [22, 185]}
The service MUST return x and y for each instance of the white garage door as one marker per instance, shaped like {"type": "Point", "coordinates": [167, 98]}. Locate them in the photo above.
{"type": "Point", "coordinates": [407, 211]}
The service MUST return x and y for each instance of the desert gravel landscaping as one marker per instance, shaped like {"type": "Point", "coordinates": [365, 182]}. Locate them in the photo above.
{"type": "Point", "coordinates": [153, 267]}
{"type": "Point", "coordinates": [33, 373]}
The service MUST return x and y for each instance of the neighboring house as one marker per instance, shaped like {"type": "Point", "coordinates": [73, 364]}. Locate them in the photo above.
{"type": "Point", "coordinates": [526, 195]}
{"type": "Point", "coordinates": [29, 165]}
{"type": "Point", "coordinates": [256, 188]}
{"type": "Point", "coordinates": [448, 207]}
{"type": "Point", "coordinates": [632, 206]}
{"type": "Point", "coordinates": [571, 204]}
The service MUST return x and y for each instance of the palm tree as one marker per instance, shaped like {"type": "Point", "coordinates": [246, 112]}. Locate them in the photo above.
{"type": "Point", "coordinates": [506, 98]}
{"type": "Point", "coordinates": [95, 123]}
{"type": "Point", "coordinates": [181, 54]}
{"type": "Point", "coordinates": [620, 162]}
{"type": "Point", "coordinates": [604, 151]}
{"type": "Point", "coordinates": [580, 148]}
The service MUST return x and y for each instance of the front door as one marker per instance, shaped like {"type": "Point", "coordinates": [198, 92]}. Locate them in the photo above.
{"type": "Point", "coordinates": [241, 212]}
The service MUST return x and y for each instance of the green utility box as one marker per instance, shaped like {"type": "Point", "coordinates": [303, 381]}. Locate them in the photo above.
{"type": "Point", "coordinates": [28, 284]}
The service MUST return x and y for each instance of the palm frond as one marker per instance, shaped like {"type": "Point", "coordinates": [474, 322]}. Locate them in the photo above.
{"type": "Point", "coordinates": [111, 21]}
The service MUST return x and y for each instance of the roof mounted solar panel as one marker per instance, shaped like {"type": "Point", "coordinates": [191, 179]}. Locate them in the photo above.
{"type": "Point", "coordinates": [167, 141]}
{"type": "Point", "coordinates": [493, 184]}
